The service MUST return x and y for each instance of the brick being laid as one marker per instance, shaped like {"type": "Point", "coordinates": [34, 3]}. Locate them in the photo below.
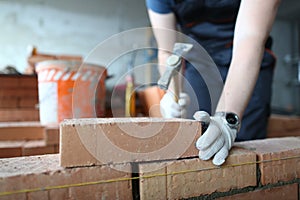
{"type": "Point", "coordinates": [121, 140]}
{"type": "Point", "coordinates": [278, 158]}
{"type": "Point", "coordinates": [41, 177]}
{"type": "Point", "coordinates": [188, 178]}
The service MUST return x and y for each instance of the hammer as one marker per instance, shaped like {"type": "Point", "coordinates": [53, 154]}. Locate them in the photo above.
{"type": "Point", "coordinates": [174, 63]}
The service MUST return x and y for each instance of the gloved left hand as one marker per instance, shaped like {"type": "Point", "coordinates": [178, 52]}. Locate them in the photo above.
{"type": "Point", "coordinates": [218, 139]}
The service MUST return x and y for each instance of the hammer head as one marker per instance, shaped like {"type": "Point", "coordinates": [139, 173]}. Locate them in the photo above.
{"type": "Point", "coordinates": [173, 64]}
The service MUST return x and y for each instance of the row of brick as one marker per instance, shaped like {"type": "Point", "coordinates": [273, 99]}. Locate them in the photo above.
{"type": "Point", "coordinates": [286, 192]}
{"type": "Point", "coordinates": [18, 81]}
{"type": "Point", "coordinates": [16, 102]}
{"type": "Point", "coordinates": [13, 131]}
{"type": "Point", "coordinates": [283, 126]}
{"type": "Point", "coordinates": [263, 169]}
{"type": "Point", "coordinates": [36, 173]}
{"type": "Point", "coordinates": [27, 138]}
{"type": "Point", "coordinates": [19, 114]}
{"type": "Point", "coordinates": [139, 139]}
{"type": "Point", "coordinates": [26, 148]}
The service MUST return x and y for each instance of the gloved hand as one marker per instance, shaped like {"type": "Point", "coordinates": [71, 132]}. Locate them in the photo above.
{"type": "Point", "coordinates": [169, 108]}
{"type": "Point", "coordinates": [217, 140]}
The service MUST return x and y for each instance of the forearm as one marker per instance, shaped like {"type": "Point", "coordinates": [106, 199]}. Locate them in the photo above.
{"type": "Point", "coordinates": [253, 25]}
{"type": "Point", "coordinates": [242, 76]}
{"type": "Point", "coordinates": [164, 27]}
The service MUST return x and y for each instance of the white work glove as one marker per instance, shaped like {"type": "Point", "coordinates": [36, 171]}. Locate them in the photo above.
{"type": "Point", "coordinates": [217, 140]}
{"type": "Point", "coordinates": [169, 108]}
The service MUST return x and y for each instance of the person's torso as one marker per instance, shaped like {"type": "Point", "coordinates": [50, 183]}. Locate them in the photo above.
{"type": "Point", "coordinates": [211, 23]}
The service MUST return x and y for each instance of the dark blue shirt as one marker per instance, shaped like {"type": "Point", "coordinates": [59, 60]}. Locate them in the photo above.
{"type": "Point", "coordinates": [209, 22]}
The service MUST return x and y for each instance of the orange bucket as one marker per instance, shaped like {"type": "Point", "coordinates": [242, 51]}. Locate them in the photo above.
{"type": "Point", "coordinates": [70, 89]}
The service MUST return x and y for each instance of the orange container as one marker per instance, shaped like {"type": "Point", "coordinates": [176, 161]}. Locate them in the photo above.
{"type": "Point", "coordinates": [70, 89]}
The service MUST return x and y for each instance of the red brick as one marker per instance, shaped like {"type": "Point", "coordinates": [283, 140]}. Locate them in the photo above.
{"type": "Point", "coordinates": [16, 102]}
{"type": "Point", "coordinates": [28, 102]}
{"type": "Point", "coordinates": [14, 197]}
{"type": "Point", "coordinates": [283, 126]}
{"type": "Point", "coordinates": [44, 171]}
{"type": "Point", "coordinates": [28, 81]}
{"type": "Point", "coordinates": [59, 194]}
{"type": "Point", "coordinates": [286, 192]}
{"type": "Point", "coordinates": [8, 81]}
{"type": "Point", "coordinates": [37, 147]}
{"type": "Point", "coordinates": [38, 195]}
{"type": "Point", "coordinates": [52, 135]}
{"type": "Point", "coordinates": [20, 92]}
{"type": "Point", "coordinates": [155, 187]}
{"type": "Point", "coordinates": [11, 148]}
{"type": "Point", "coordinates": [9, 102]}
{"type": "Point", "coordinates": [279, 158]}
{"type": "Point", "coordinates": [283, 134]}
{"type": "Point", "coordinates": [193, 177]}
{"type": "Point", "coordinates": [21, 131]}
{"type": "Point", "coordinates": [119, 140]}
{"type": "Point", "coordinates": [18, 81]}
{"type": "Point", "coordinates": [14, 115]}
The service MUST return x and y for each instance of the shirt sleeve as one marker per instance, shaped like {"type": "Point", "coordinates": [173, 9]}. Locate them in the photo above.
{"type": "Point", "coordinates": [159, 6]}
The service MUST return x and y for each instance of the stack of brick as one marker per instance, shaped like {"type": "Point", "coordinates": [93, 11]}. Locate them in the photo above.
{"type": "Point", "coordinates": [18, 98]}
{"type": "Point", "coordinates": [151, 166]}
{"type": "Point", "coordinates": [21, 133]}
{"type": "Point", "coordinates": [27, 138]}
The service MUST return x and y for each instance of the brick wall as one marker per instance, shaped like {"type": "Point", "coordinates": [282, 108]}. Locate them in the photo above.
{"type": "Point", "coordinates": [247, 174]}
{"type": "Point", "coordinates": [259, 169]}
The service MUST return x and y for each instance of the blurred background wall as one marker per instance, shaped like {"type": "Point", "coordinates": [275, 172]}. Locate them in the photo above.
{"type": "Point", "coordinates": [75, 27]}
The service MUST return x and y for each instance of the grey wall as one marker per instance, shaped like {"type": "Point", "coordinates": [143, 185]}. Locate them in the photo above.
{"type": "Point", "coordinates": [286, 92]}
{"type": "Point", "coordinates": [63, 27]}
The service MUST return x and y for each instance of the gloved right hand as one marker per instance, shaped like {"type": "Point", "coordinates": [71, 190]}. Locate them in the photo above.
{"type": "Point", "coordinates": [169, 108]}
{"type": "Point", "coordinates": [219, 137]}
